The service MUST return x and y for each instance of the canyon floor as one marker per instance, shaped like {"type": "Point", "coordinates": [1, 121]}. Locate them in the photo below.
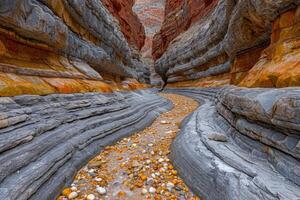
{"type": "Point", "coordinates": [137, 167]}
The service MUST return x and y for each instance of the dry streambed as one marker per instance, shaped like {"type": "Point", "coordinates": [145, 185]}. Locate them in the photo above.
{"type": "Point", "coordinates": [137, 167]}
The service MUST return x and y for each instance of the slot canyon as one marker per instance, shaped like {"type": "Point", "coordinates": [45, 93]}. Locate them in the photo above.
{"type": "Point", "coordinates": [150, 99]}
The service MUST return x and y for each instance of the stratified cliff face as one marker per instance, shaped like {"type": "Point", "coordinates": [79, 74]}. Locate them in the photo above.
{"type": "Point", "coordinates": [151, 15]}
{"type": "Point", "coordinates": [130, 24]}
{"type": "Point", "coordinates": [179, 15]}
{"type": "Point", "coordinates": [64, 46]}
{"type": "Point", "coordinates": [226, 39]}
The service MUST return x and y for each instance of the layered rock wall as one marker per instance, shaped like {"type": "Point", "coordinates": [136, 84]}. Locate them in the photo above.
{"type": "Point", "coordinates": [45, 140]}
{"type": "Point", "coordinates": [227, 40]}
{"type": "Point", "coordinates": [151, 15]}
{"type": "Point", "coordinates": [241, 143]}
{"type": "Point", "coordinates": [130, 24]}
{"type": "Point", "coordinates": [63, 46]}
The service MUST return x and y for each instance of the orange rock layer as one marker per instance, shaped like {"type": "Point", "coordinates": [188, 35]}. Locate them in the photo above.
{"type": "Point", "coordinates": [279, 64]}
{"type": "Point", "coordinates": [28, 68]}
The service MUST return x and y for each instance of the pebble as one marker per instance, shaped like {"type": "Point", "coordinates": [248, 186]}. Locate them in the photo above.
{"type": "Point", "coordinates": [74, 188]}
{"type": "Point", "coordinates": [150, 145]}
{"type": "Point", "coordinates": [90, 197]}
{"type": "Point", "coordinates": [72, 195]}
{"type": "Point", "coordinates": [148, 162]}
{"type": "Point", "coordinates": [98, 179]}
{"type": "Point", "coordinates": [152, 190]}
{"type": "Point", "coordinates": [170, 186]}
{"type": "Point", "coordinates": [144, 191]}
{"type": "Point", "coordinates": [101, 190]}
{"type": "Point", "coordinates": [150, 181]}
{"type": "Point", "coordinates": [161, 160]}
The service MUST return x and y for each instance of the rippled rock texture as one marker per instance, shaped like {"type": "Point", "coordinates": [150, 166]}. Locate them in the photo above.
{"type": "Point", "coordinates": [228, 38]}
{"type": "Point", "coordinates": [45, 140]}
{"type": "Point", "coordinates": [241, 143]}
{"type": "Point", "coordinates": [48, 45]}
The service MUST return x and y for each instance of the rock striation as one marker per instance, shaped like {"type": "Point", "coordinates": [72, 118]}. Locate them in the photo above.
{"type": "Point", "coordinates": [151, 15]}
{"type": "Point", "coordinates": [47, 44]}
{"type": "Point", "coordinates": [44, 140]}
{"type": "Point", "coordinates": [227, 39]}
{"type": "Point", "coordinates": [130, 24]}
{"type": "Point", "coordinates": [241, 143]}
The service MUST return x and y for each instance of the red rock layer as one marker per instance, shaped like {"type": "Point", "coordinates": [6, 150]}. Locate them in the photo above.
{"type": "Point", "coordinates": [179, 15]}
{"type": "Point", "coordinates": [130, 24]}
{"type": "Point", "coordinates": [151, 15]}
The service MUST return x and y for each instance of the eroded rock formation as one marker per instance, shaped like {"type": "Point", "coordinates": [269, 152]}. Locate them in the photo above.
{"type": "Point", "coordinates": [45, 140]}
{"type": "Point", "coordinates": [227, 40]}
{"type": "Point", "coordinates": [66, 46]}
{"type": "Point", "coordinates": [241, 143]}
{"type": "Point", "coordinates": [151, 15]}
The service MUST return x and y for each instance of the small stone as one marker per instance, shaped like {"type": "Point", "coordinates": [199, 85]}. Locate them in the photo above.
{"type": "Point", "coordinates": [121, 193]}
{"type": "Point", "coordinates": [150, 181]}
{"type": "Point", "coordinates": [217, 137]}
{"type": "Point", "coordinates": [148, 162]}
{"type": "Point", "coordinates": [134, 145]}
{"type": "Point", "coordinates": [144, 191]}
{"type": "Point", "coordinates": [90, 197]}
{"type": "Point", "coordinates": [170, 186]}
{"type": "Point", "coordinates": [161, 160]}
{"type": "Point", "coordinates": [74, 188]}
{"type": "Point", "coordinates": [66, 192]}
{"type": "Point", "coordinates": [150, 145]}
{"type": "Point", "coordinates": [152, 190]}
{"type": "Point", "coordinates": [101, 190]}
{"type": "Point", "coordinates": [72, 195]}
{"type": "Point", "coordinates": [98, 179]}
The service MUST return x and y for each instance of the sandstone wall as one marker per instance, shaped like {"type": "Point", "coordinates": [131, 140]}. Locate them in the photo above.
{"type": "Point", "coordinates": [63, 46]}
{"type": "Point", "coordinates": [130, 24]}
{"type": "Point", "coordinates": [227, 40]}
{"type": "Point", "coordinates": [151, 15]}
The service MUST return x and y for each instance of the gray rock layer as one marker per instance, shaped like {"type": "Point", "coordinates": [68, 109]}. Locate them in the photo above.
{"type": "Point", "coordinates": [45, 140]}
{"type": "Point", "coordinates": [35, 20]}
{"type": "Point", "coordinates": [209, 46]}
{"type": "Point", "coordinates": [241, 144]}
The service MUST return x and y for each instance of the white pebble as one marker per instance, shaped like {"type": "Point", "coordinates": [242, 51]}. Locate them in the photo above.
{"type": "Point", "coordinates": [152, 190]}
{"type": "Point", "coordinates": [170, 186]}
{"type": "Point", "coordinates": [74, 188]}
{"type": "Point", "coordinates": [90, 197]}
{"type": "Point", "coordinates": [101, 190]}
{"type": "Point", "coordinates": [144, 191]}
{"type": "Point", "coordinates": [150, 145]}
{"type": "Point", "coordinates": [148, 161]}
{"type": "Point", "coordinates": [161, 160]}
{"type": "Point", "coordinates": [98, 179]}
{"type": "Point", "coordinates": [72, 195]}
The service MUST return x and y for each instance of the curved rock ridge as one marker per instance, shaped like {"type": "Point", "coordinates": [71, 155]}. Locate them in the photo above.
{"type": "Point", "coordinates": [44, 140]}
{"type": "Point", "coordinates": [241, 143]}
{"type": "Point", "coordinates": [64, 41]}
{"type": "Point", "coordinates": [229, 39]}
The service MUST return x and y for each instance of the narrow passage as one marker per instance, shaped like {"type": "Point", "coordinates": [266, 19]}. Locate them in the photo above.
{"type": "Point", "coordinates": [137, 167]}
